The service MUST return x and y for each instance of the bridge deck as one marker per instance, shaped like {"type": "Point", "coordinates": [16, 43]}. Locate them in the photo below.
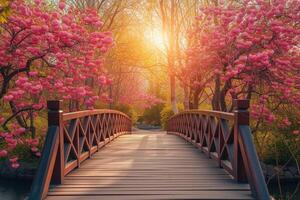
{"type": "Point", "coordinates": [149, 165]}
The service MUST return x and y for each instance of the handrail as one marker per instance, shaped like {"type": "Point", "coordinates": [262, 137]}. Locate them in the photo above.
{"type": "Point", "coordinates": [84, 113]}
{"type": "Point", "coordinates": [212, 113]}
{"type": "Point", "coordinates": [226, 138]}
{"type": "Point", "coordinates": [71, 139]}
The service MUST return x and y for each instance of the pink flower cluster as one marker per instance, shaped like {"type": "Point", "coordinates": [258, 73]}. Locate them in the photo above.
{"type": "Point", "coordinates": [14, 162]}
{"type": "Point", "coordinates": [68, 44]}
{"type": "Point", "coordinates": [33, 143]}
{"type": "Point", "coordinates": [262, 112]}
{"type": "Point", "coordinates": [133, 93]}
{"type": "Point", "coordinates": [49, 53]}
{"type": "Point", "coordinates": [12, 139]}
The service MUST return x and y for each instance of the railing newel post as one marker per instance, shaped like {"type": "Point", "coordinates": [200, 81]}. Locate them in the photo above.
{"type": "Point", "coordinates": [55, 118]}
{"type": "Point", "coordinates": [250, 170]}
{"type": "Point", "coordinates": [241, 117]}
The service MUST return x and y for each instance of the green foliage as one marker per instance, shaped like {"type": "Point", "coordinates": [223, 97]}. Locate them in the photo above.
{"type": "Point", "coordinates": [152, 115]}
{"type": "Point", "coordinates": [272, 149]}
{"type": "Point", "coordinates": [277, 146]}
{"type": "Point", "coordinates": [23, 152]}
{"type": "Point", "coordinates": [275, 143]}
{"type": "Point", "coordinates": [5, 10]}
{"type": "Point", "coordinates": [167, 112]}
{"type": "Point", "coordinates": [205, 106]}
{"type": "Point", "coordinates": [128, 110]}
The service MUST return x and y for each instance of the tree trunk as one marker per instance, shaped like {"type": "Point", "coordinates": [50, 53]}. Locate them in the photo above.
{"type": "Point", "coordinates": [186, 102]}
{"type": "Point", "coordinates": [196, 99]}
{"type": "Point", "coordinates": [173, 94]}
{"type": "Point", "coordinates": [222, 99]}
{"type": "Point", "coordinates": [19, 118]}
{"type": "Point", "coordinates": [171, 58]}
{"type": "Point", "coordinates": [216, 96]}
{"type": "Point", "coordinates": [170, 51]}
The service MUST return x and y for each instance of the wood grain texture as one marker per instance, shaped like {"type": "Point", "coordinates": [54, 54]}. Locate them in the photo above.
{"type": "Point", "coordinates": [149, 165]}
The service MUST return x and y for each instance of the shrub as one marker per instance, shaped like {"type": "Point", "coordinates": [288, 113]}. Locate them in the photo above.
{"type": "Point", "coordinates": [277, 143]}
{"type": "Point", "coordinates": [167, 112]}
{"type": "Point", "coordinates": [128, 110]}
{"type": "Point", "coordinates": [277, 148]}
{"type": "Point", "coordinates": [152, 115]}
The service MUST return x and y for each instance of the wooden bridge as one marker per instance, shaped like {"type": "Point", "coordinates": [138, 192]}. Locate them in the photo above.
{"type": "Point", "coordinates": [203, 155]}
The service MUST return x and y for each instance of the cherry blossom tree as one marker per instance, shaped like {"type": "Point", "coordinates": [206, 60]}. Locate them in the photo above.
{"type": "Point", "coordinates": [134, 93]}
{"type": "Point", "coordinates": [47, 53]}
{"type": "Point", "coordinates": [249, 49]}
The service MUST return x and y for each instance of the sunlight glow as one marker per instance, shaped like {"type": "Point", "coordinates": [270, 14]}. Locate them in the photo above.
{"type": "Point", "coordinates": [155, 37]}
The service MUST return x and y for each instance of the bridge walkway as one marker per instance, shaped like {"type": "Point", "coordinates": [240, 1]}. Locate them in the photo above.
{"type": "Point", "coordinates": [149, 165]}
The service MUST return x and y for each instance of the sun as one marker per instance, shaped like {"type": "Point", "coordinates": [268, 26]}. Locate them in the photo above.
{"type": "Point", "coordinates": [156, 38]}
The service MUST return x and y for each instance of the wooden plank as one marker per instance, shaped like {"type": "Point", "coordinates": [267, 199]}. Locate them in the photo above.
{"type": "Point", "coordinates": [147, 167]}
{"type": "Point", "coordinates": [197, 178]}
{"type": "Point", "coordinates": [147, 185]}
{"type": "Point", "coordinates": [116, 160]}
{"type": "Point", "coordinates": [142, 173]}
{"type": "Point", "coordinates": [153, 181]}
{"type": "Point", "coordinates": [164, 170]}
{"type": "Point", "coordinates": [156, 195]}
{"type": "Point", "coordinates": [170, 190]}
{"type": "Point", "coordinates": [133, 192]}
{"type": "Point", "coordinates": [203, 195]}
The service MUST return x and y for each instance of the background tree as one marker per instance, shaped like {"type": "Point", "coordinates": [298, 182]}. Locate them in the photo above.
{"type": "Point", "coordinates": [131, 60]}
{"type": "Point", "coordinates": [176, 17]}
{"type": "Point", "coordinates": [251, 47]}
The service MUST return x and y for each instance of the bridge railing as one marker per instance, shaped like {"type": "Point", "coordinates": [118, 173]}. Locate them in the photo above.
{"type": "Point", "coordinates": [72, 138]}
{"type": "Point", "coordinates": [226, 138]}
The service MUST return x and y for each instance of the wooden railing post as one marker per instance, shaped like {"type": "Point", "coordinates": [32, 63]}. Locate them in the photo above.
{"type": "Point", "coordinates": [55, 115]}
{"type": "Point", "coordinates": [247, 166]}
{"type": "Point", "coordinates": [241, 117]}
{"type": "Point", "coordinates": [50, 166]}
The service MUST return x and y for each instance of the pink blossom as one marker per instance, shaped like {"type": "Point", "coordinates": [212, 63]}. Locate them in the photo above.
{"type": "Point", "coordinates": [2, 119]}
{"type": "Point", "coordinates": [38, 2]}
{"type": "Point", "coordinates": [102, 80]}
{"type": "Point", "coordinates": [15, 165]}
{"type": "Point", "coordinates": [33, 73]}
{"type": "Point", "coordinates": [62, 5]}
{"type": "Point", "coordinates": [286, 122]}
{"type": "Point", "coordinates": [8, 97]}
{"type": "Point", "coordinates": [37, 106]}
{"type": "Point", "coordinates": [296, 132]}
{"type": "Point", "coordinates": [271, 118]}
{"type": "Point", "coordinates": [3, 153]}
{"type": "Point", "coordinates": [13, 160]}
{"type": "Point", "coordinates": [34, 149]}
{"type": "Point", "coordinates": [19, 131]}
{"type": "Point", "coordinates": [108, 40]}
